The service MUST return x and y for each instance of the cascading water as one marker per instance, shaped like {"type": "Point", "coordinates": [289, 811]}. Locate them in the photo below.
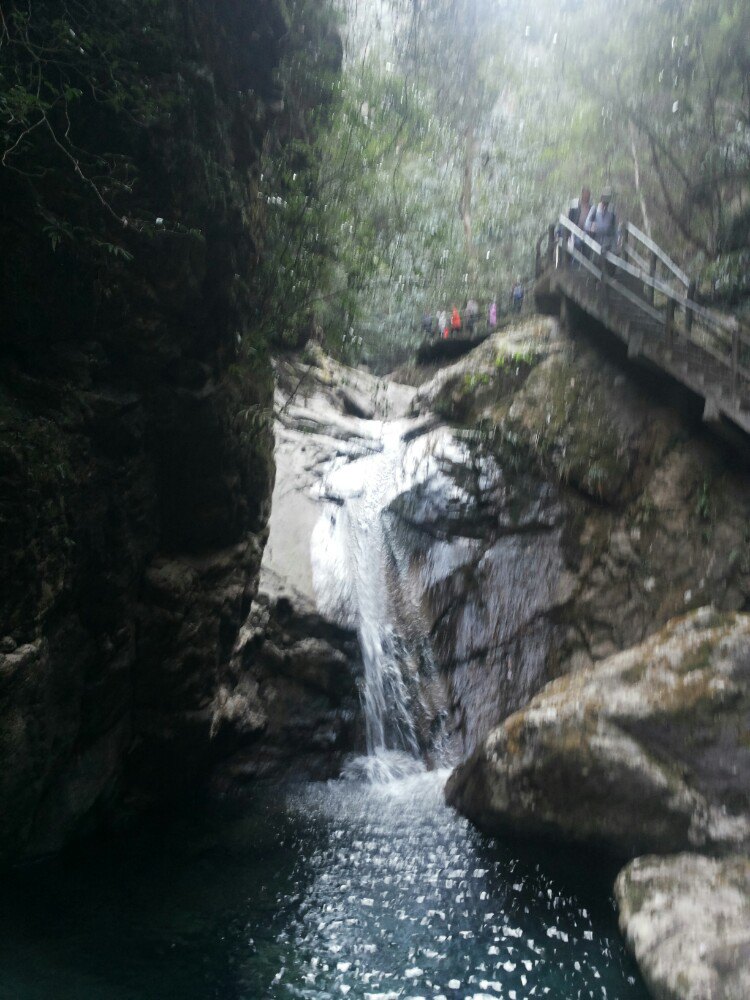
{"type": "Point", "coordinates": [372, 889]}
{"type": "Point", "coordinates": [356, 577]}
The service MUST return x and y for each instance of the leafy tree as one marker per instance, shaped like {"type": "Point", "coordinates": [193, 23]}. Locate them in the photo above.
{"type": "Point", "coordinates": [673, 79]}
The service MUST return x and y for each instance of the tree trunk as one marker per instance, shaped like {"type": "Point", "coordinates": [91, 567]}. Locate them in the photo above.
{"type": "Point", "coordinates": [637, 175]}
{"type": "Point", "coordinates": [467, 189]}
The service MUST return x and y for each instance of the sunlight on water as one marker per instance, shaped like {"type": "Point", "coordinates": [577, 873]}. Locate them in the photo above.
{"type": "Point", "coordinates": [347, 889]}
{"type": "Point", "coordinates": [405, 899]}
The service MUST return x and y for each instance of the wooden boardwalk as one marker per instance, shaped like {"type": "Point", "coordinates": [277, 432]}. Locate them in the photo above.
{"type": "Point", "coordinates": [643, 298]}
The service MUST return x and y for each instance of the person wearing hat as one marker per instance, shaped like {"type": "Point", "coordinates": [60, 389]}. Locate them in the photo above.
{"type": "Point", "coordinates": [601, 222]}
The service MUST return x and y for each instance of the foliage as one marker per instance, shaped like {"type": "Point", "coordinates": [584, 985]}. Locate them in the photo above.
{"type": "Point", "coordinates": [66, 72]}
{"type": "Point", "coordinates": [498, 113]}
{"type": "Point", "coordinates": [419, 176]}
{"type": "Point", "coordinates": [515, 359]}
{"type": "Point", "coordinates": [673, 80]}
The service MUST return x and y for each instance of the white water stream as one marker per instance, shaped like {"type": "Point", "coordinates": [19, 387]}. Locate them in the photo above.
{"type": "Point", "coordinates": [358, 584]}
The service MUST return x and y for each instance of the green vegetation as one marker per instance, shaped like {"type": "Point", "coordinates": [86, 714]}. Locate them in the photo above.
{"type": "Point", "coordinates": [474, 379]}
{"type": "Point", "coordinates": [67, 71]}
{"type": "Point", "coordinates": [704, 504]}
{"type": "Point", "coordinates": [516, 359]}
{"type": "Point", "coordinates": [482, 119]}
{"type": "Point", "coordinates": [421, 151]}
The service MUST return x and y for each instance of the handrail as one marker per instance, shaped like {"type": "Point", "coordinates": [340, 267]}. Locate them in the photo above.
{"type": "Point", "coordinates": [634, 255]}
{"type": "Point", "coordinates": [721, 340]}
{"type": "Point", "coordinates": [582, 236]}
{"type": "Point", "coordinates": [585, 262]}
{"type": "Point", "coordinates": [636, 272]}
{"type": "Point", "coordinates": [657, 250]}
{"type": "Point", "coordinates": [718, 322]}
{"type": "Point", "coordinates": [632, 297]}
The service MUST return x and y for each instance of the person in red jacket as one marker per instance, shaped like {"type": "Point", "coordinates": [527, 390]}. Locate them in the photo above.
{"type": "Point", "coordinates": [455, 322]}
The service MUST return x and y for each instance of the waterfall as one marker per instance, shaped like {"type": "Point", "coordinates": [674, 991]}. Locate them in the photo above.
{"type": "Point", "coordinates": [356, 578]}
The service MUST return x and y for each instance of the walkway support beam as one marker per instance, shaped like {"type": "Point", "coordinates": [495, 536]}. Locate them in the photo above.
{"type": "Point", "coordinates": [654, 312]}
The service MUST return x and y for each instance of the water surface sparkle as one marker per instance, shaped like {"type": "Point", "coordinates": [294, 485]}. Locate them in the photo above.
{"type": "Point", "coordinates": [320, 891]}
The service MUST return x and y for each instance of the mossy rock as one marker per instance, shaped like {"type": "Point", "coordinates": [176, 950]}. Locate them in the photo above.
{"type": "Point", "coordinates": [563, 413]}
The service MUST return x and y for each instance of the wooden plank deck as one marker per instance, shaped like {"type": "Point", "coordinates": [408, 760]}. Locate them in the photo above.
{"type": "Point", "coordinates": [696, 348]}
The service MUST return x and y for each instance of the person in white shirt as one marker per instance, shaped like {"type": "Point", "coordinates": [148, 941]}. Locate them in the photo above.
{"type": "Point", "coordinates": [602, 222]}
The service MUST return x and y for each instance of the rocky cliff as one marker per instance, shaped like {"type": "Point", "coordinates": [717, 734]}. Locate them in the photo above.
{"type": "Point", "coordinates": [640, 744]}
{"type": "Point", "coordinates": [135, 443]}
{"type": "Point", "coordinates": [605, 511]}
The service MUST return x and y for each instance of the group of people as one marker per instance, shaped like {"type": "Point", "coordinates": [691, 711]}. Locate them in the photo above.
{"type": "Point", "coordinates": [598, 221]}
{"type": "Point", "coordinates": [447, 324]}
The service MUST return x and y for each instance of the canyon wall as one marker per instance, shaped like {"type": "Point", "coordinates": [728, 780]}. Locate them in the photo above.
{"type": "Point", "coordinates": [136, 452]}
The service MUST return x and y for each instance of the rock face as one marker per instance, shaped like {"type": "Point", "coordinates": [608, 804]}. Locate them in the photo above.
{"type": "Point", "coordinates": [136, 459]}
{"type": "Point", "coordinates": [463, 541]}
{"type": "Point", "coordinates": [687, 919]}
{"type": "Point", "coordinates": [654, 510]}
{"type": "Point", "coordinates": [599, 478]}
{"type": "Point", "coordinates": [646, 751]}
{"type": "Point", "coordinates": [289, 703]}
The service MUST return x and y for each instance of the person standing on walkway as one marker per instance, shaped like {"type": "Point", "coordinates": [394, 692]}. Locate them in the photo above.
{"type": "Point", "coordinates": [602, 222]}
{"type": "Point", "coordinates": [442, 321]}
{"type": "Point", "coordinates": [472, 314]}
{"type": "Point", "coordinates": [492, 316]}
{"type": "Point", "coordinates": [579, 215]}
{"type": "Point", "coordinates": [516, 296]}
{"type": "Point", "coordinates": [455, 322]}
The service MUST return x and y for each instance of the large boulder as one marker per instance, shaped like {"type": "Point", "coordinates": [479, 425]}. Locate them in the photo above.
{"type": "Point", "coordinates": [646, 752]}
{"type": "Point", "coordinates": [687, 919]}
{"type": "Point", "coordinates": [289, 705]}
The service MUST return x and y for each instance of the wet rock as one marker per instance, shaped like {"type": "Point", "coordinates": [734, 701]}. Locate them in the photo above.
{"type": "Point", "coordinates": [134, 487]}
{"type": "Point", "coordinates": [687, 920]}
{"type": "Point", "coordinates": [643, 752]}
{"type": "Point", "coordinates": [653, 513]}
{"type": "Point", "coordinates": [289, 705]}
{"type": "Point", "coordinates": [463, 541]}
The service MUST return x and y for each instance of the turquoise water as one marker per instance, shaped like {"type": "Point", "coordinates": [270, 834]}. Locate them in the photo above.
{"type": "Point", "coordinates": [338, 890]}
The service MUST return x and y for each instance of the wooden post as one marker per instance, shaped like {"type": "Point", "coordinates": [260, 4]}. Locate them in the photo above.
{"type": "Point", "coordinates": [652, 274]}
{"type": "Point", "coordinates": [689, 309]}
{"type": "Point", "coordinates": [735, 365]}
{"type": "Point", "coordinates": [624, 248]}
{"type": "Point", "coordinates": [551, 245]}
{"type": "Point", "coordinates": [603, 289]}
{"type": "Point", "coordinates": [669, 323]}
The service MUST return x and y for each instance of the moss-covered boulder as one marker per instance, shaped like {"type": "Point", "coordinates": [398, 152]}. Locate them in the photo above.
{"type": "Point", "coordinates": [471, 390]}
{"type": "Point", "coordinates": [647, 751]}
{"type": "Point", "coordinates": [687, 920]}
{"type": "Point", "coordinates": [655, 511]}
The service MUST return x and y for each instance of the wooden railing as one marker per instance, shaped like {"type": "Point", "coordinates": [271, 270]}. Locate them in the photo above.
{"type": "Point", "coordinates": [645, 276]}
